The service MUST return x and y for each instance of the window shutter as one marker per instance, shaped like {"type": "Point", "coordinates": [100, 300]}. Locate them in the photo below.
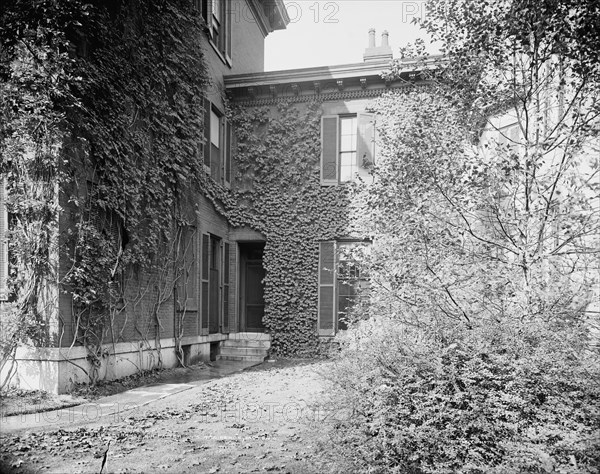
{"type": "Point", "coordinates": [226, 298]}
{"type": "Point", "coordinates": [205, 287]}
{"type": "Point", "coordinates": [187, 287]}
{"type": "Point", "coordinates": [326, 315]}
{"type": "Point", "coordinates": [227, 160]}
{"type": "Point", "coordinates": [366, 140]}
{"type": "Point", "coordinates": [180, 265]}
{"type": "Point", "coordinates": [206, 10]}
{"type": "Point", "coordinates": [329, 149]}
{"type": "Point", "coordinates": [228, 27]}
{"type": "Point", "coordinates": [207, 143]}
{"type": "Point", "coordinates": [191, 284]}
{"type": "Point", "coordinates": [3, 243]}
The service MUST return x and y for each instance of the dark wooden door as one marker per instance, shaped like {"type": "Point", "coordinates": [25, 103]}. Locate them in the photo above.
{"type": "Point", "coordinates": [254, 301]}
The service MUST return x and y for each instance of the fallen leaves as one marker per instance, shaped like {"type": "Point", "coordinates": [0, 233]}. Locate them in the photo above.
{"type": "Point", "coordinates": [189, 433]}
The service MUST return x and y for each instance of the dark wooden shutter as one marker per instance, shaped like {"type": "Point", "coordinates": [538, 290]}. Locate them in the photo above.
{"type": "Point", "coordinates": [226, 297]}
{"type": "Point", "coordinates": [207, 132]}
{"type": "Point", "coordinates": [227, 23]}
{"type": "Point", "coordinates": [191, 288]}
{"type": "Point", "coordinates": [187, 284]}
{"type": "Point", "coordinates": [206, 10]}
{"type": "Point", "coordinates": [205, 282]}
{"type": "Point", "coordinates": [326, 315]}
{"type": "Point", "coordinates": [227, 160]}
{"type": "Point", "coordinates": [366, 140]}
{"type": "Point", "coordinates": [3, 243]}
{"type": "Point", "coordinates": [180, 270]}
{"type": "Point", "coordinates": [329, 149]}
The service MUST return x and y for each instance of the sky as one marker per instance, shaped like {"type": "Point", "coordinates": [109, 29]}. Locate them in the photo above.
{"type": "Point", "coordinates": [337, 32]}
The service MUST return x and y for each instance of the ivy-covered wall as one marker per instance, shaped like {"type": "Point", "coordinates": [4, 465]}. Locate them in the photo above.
{"type": "Point", "coordinates": [100, 127]}
{"type": "Point", "coordinates": [278, 192]}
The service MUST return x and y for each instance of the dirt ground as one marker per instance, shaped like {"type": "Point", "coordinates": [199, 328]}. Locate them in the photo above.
{"type": "Point", "coordinates": [272, 418]}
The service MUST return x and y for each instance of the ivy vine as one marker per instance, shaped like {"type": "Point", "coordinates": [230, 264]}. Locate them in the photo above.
{"type": "Point", "coordinates": [278, 193]}
{"type": "Point", "coordinates": [101, 119]}
{"type": "Point", "coordinates": [101, 122]}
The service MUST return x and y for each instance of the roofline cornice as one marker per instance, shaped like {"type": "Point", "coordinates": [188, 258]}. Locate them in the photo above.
{"type": "Point", "coordinates": [306, 74]}
{"type": "Point", "coordinates": [328, 96]}
{"type": "Point", "coordinates": [277, 17]}
{"type": "Point", "coordinates": [321, 73]}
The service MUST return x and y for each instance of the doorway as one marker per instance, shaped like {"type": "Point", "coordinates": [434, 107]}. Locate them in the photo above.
{"type": "Point", "coordinates": [252, 295]}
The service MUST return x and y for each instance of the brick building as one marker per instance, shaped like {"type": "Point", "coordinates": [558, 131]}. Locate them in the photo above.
{"type": "Point", "coordinates": [264, 250]}
{"type": "Point", "coordinates": [223, 297]}
{"type": "Point", "coordinates": [153, 316]}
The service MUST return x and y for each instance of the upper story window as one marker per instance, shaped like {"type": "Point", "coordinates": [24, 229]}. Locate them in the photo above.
{"type": "Point", "coordinates": [347, 147]}
{"type": "Point", "coordinates": [348, 162]}
{"type": "Point", "coordinates": [217, 16]}
{"type": "Point", "coordinates": [217, 144]}
{"type": "Point", "coordinates": [510, 135]}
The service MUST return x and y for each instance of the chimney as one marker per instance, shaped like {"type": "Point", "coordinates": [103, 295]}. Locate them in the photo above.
{"type": "Point", "coordinates": [384, 39]}
{"type": "Point", "coordinates": [372, 38]}
{"type": "Point", "coordinates": [375, 53]}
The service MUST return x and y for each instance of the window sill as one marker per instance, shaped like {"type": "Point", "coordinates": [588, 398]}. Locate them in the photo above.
{"type": "Point", "coordinates": [347, 183]}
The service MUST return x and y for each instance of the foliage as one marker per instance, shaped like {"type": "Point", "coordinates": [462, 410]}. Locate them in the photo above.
{"type": "Point", "coordinates": [486, 222]}
{"type": "Point", "coordinates": [279, 194]}
{"type": "Point", "coordinates": [100, 123]}
{"type": "Point", "coordinates": [493, 399]}
{"type": "Point", "coordinates": [465, 231]}
{"type": "Point", "coordinates": [490, 33]}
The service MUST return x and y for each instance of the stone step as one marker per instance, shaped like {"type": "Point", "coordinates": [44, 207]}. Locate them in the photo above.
{"type": "Point", "coordinates": [245, 346]}
{"type": "Point", "coordinates": [250, 336]}
{"type": "Point", "coordinates": [246, 343]}
{"type": "Point", "coordinates": [245, 358]}
{"type": "Point", "coordinates": [242, 351]}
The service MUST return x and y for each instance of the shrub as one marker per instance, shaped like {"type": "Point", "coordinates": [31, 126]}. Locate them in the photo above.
{"type": "Point", "coordinates": [497, 398]}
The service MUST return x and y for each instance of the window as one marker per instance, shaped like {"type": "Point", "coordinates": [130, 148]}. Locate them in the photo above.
{"type": "Point", "coordinates": [510, 135]}
{"type": "Point", "coordinates": [215, 285]}
{"type": "Point", "coordinates": [217, 144]}
{"type": "Point", "coordinates": [347, 147]}
{"type": "Point", "coordinates": [348, 162]}
{"type": "Point", "coordinates": [3, 243]}
{"type": "Point", "coordinates": [341, 283]}
{"type": "Point", "coordinates": [216, 16]}
{"type": "Point", "coordinates": [187, 278]}
{"type": "Point", "coordinates": [110, 226]}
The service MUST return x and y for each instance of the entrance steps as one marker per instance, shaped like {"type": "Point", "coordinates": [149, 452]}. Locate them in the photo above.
{"type": "Point", "coordinates": [245, 346]}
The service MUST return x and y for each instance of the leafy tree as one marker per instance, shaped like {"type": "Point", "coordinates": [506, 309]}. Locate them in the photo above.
{"type": "Point", "coordinates": [485, 211]}
{"type": "Point", "coordinates": [528, 195]}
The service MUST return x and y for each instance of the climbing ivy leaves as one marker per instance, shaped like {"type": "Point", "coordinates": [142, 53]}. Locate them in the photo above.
{"type": "Point", "coordinates": [279, 191]}
{"type": "Point", "coordinates": [100, 124]}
